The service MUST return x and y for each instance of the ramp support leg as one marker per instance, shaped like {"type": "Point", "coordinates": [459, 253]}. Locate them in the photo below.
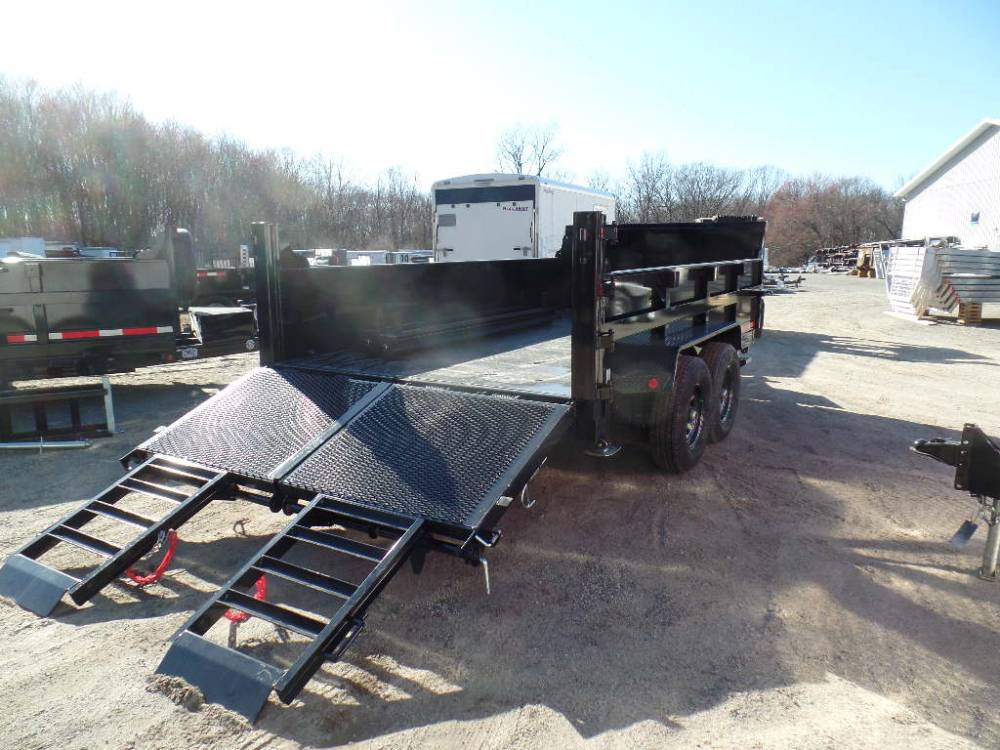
{"type": "Point", "coordinates": [991, 553]}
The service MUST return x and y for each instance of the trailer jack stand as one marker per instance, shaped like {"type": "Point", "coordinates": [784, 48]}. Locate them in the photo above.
{"type": "Point", "coordinates": [486, 572]}
{"type": "Point", "coordinates": [976, 459]}
{"type": "Point", "coordinates": [991, 554]}
{"type": "Point", "coordinates": [603, 449]}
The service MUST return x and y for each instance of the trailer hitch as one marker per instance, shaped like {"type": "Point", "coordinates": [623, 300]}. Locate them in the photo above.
{"type": "Point", "coordinates": [940, 449]}
{"type": "Point", "coordinates": [976, 459]}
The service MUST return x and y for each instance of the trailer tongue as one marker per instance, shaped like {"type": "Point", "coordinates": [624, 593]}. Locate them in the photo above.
{"type": "Point", "coordinates": [419, 441]}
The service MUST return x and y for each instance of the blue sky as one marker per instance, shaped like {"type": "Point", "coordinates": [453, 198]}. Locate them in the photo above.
{"type": "Point", "coordinates": [854, 88]}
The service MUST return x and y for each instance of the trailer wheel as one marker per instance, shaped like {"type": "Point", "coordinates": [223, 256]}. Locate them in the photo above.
{"type": "Point", "coordinates": [679, 429]}
{"type": "Point", "coordinates": [724, 367]}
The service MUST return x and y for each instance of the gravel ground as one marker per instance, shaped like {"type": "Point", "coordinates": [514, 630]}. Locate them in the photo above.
{"type": "Point", "coordinates": [795, 590]}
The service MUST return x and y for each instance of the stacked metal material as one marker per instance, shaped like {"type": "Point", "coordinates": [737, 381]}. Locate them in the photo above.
{"type": "Point", "coordinates": [880, 259]}
{"type": "Point", "coordinates": [940, 276]}
{"type": "Point", "coordinates": [968, 276]}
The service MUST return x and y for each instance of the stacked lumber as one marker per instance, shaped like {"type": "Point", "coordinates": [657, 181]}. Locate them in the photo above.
{"type": "Point", "coordinates": [941, 277]}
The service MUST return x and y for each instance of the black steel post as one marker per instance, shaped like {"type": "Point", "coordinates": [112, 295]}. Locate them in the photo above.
{"type": "Point", "coordinates": [589, 377]}
{"type": "Point", "coordinates": [267, 272]}
{"type": "Point", "coordinates": [588, 265]}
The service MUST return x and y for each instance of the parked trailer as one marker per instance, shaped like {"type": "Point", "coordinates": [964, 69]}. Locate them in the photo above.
{"type": "Point", "coordinates": [84, 316]}
{"type": "Point", "coordinates": [504, 216]}
{"type": "Point", "coordinates": [401, 410]}
{"type": "Point", "coordinates": [92, 316]}
{"type": "Point", "coordinates": [224, 287]}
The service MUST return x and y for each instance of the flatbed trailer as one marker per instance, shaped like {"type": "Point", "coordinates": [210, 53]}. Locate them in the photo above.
{"type": "Point", "coordinates": [401, 410]}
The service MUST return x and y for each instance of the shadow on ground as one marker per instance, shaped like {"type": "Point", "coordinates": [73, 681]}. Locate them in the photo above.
{"type": "Point", "coordinates": [788, 353]}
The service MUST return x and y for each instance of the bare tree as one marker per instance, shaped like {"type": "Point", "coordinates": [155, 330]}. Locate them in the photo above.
{"type": "Point", "coordinates": [655, 190]}
{"type": "Point", "coordinates": [647, 194]}
{"type": "Point", "coordinates": [544, 149]}
{"type": "Point", "coordinates": [512, 150]}
{"type": "Point", "coordinates": [600, 180]}
{"type": "Point", "coordinates": [528, 150]}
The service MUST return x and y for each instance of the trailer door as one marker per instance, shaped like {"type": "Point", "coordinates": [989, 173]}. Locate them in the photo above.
{"type": "Point", "coordinates": [484, 223]}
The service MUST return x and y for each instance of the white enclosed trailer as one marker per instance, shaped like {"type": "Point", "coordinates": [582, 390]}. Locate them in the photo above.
{"type": "Point", "coordinates": [507, 216]}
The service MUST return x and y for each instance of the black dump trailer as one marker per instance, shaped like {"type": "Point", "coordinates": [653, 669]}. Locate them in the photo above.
{"type": "Point", "coordinates": [401, 410]}
{"type": "Point", "coordinates": [89, 316]}
{"type": "Point", "coordinates": [84, 316]}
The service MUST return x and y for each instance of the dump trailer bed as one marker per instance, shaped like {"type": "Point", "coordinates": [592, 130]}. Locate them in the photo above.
{"type": "Point", "coordinates": [403, 409]}
{"type": "Point", "coordinates": [529, 362]}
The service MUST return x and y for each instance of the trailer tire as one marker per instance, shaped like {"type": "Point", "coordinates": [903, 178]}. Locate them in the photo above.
{"type": "Point", "coordinates": [678, 432]}
{"type": "Point", "coordinates": [724, 366]}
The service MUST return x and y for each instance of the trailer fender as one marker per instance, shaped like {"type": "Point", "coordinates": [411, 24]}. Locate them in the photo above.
{"type": "Point", "coordinates": [638, 372]}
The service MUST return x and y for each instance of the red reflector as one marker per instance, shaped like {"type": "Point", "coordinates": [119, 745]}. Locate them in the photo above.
{"type": "Point", "coordinates": [138, 331]}
{"type": "Point", "coordinates": [81, 334]}
{"type": "Point", "coordinates": [653, 384]}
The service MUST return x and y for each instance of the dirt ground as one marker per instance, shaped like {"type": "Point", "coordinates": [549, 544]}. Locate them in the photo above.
{"type": "Point", "coordinates": [795, 590]}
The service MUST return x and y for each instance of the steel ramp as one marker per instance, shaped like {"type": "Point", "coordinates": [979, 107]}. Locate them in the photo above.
{"type": "Point", "coordinates": [242, 682]}
{"type": "Point", "coordinates": [262, 420]}
{"type": "Point", "coordinates": [39, 587]}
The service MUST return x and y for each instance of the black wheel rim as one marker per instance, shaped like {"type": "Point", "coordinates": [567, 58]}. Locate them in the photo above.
{"type": "Point", "coordinates": [695, 418]}
{"type": "Point", "coordinates": [727, 397]}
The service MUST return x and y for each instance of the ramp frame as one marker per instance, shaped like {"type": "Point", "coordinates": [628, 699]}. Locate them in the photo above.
{"type": "Point", "coordinates": [242, 682]}
{"type": "Point", "coordinates": [39, 588]}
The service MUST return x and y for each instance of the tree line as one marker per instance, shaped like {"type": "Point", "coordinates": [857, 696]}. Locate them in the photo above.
{"type": "Point", "coordinates": [803, 213]}
{"type": "Point", "coordinates": [86, 167]}
{"type": "Point", "coordinates": [83, 166]}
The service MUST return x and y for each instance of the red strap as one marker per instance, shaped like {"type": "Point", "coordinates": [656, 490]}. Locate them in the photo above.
{"type": "Point", "coordinates": [156, 575]}
{"type": "Point", "coordinates": [260, 591]}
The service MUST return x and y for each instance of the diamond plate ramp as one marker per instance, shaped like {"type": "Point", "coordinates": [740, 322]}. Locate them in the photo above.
{"type": "Point", "coordinates": [254, 424]}
{"type": "Point", "coordinates": [432, 452]}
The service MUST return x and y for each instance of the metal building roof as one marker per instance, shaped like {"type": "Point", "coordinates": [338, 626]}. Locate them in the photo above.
{"type": "Point", "coordinates": [911, 187]}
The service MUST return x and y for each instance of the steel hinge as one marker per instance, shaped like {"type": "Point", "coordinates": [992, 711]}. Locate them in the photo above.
{"type": "Point", "coordinates": [604, 392]}
{"type": "Point", "coordinates": [606, 341]}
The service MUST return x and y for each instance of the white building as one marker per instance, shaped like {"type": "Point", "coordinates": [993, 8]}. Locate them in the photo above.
{"type": "Point", "coordinates": [959, 194]}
